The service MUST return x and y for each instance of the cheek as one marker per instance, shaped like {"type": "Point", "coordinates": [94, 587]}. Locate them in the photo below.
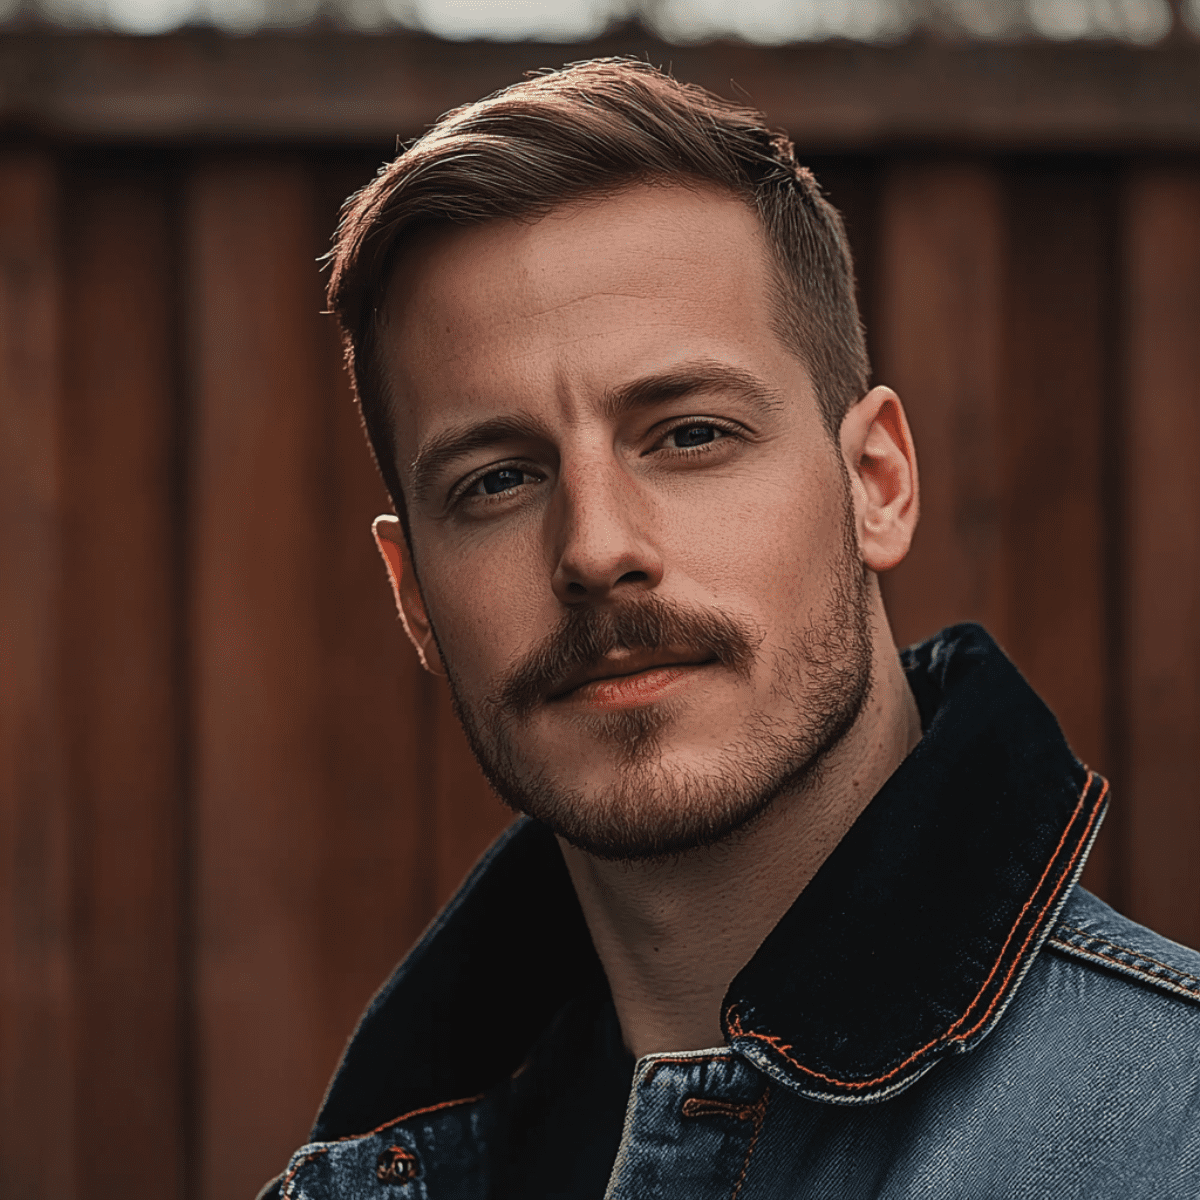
{"type": "Point", "coordinates": [765, 540]}
{"type": "Point", "coordinates": [484, 614]}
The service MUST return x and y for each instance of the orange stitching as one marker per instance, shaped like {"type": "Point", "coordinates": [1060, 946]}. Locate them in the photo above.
{"type": "Point", "coordinates": [1182, 989]}
{"type": "Point", "coordinates": [287, 1181]}
{"type": "Point", "coordinates": [397, 1164]}
{"type": "Point", "coordinates": [702, 1106]}
{"type": "Point", "coordinates": [759, 1115]}
{"type": "Point", "coordinates": [416, 1112]}
{"type": "Point", "coordinates": [735, 1024]}
{"type": "Point", "coordinates": [1050, 900]}
{"type": "Point", "coordinates": [1026, 906]}
{"type": "Point", "coordinates": [1092, 937]}
{"type": "Point", "coordinates": [354, 1137]}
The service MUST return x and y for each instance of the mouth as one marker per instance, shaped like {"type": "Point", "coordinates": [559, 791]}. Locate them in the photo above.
{"type": "Point", "coordinates": [633, 678]}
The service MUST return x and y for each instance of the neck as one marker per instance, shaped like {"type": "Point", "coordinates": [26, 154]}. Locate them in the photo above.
{"type": "Point", "coordinates": [672, 934]}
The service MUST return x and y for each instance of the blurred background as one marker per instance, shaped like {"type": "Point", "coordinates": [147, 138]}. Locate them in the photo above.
{"type": "Point", "coordinates": [229, 800]}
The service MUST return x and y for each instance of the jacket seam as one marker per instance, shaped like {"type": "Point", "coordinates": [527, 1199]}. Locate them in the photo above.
{"type": "Point", "coordinates": [950, 1035]}
{"type": "Point", "coordinates": [1093, 937]}
{"type": "Point", "coordinates": [670, 1060]}
{"type": "Point", "coordinates": [408, 1116]}
{"type": "Point", "coordinates": [1131, 968]}
{"type": "Point", "coordinates": [759, 1111]}
{"type": "Point", "coordinates": [355, 1137]}
{"type": "Point", "coordinates": [286, 1190]}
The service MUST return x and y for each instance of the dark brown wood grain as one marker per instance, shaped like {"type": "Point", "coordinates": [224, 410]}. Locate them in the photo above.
{"type": "Point", "coordinates": [121, 644]}
{"type": "Point", "coordinates": [200, 85]}
{"type": "Point", "coordinates": [1162, 249]}
{"type": "Point", "coordinates": [259, 483]}
{"type": "Point", "coordinates": [378, 865]}
{"type": "Point", "coordinates": [938, 341]}
{"type": "Point", "coordinates": [1055, 417]}
{"type": "Point", "coordinates": [37, 1049]}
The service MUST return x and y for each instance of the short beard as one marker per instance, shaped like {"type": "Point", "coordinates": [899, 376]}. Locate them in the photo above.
{"type": "Point", "coordinates": [654, 812]}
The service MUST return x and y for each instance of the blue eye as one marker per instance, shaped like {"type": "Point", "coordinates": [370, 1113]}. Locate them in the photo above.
{"type": "Point", "coordinates": [694, 435]}
{"type": "Point", "coordinates": [500, 481]}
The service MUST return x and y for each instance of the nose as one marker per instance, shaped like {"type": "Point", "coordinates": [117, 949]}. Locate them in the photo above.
{"type": "Point", "coordinates": [601, 537]}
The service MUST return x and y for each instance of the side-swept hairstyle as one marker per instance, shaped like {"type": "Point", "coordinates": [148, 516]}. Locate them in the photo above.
{"type": "Point", "coordinates": [590, 129]}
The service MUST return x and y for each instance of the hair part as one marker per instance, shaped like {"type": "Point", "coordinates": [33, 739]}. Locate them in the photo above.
{"type": "Point", "coordinates": [590, 129]}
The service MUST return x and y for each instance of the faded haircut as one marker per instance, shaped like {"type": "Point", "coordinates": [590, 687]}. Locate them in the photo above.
{"type": "Point", "coordinates": [592, 129]}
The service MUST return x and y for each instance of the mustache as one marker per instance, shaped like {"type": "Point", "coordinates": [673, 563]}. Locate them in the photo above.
{"type": "Point", "coordinates": [586, 635]}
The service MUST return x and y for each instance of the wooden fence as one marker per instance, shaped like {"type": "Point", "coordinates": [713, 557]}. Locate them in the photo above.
{"type": "Point", "coordinates": [229, 800]}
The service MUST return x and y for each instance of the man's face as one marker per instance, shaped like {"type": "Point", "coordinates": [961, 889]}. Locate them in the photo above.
{"type": "Point", "coordinates": [632, 532]}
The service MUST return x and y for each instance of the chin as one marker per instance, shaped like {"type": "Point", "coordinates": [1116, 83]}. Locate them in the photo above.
{"type": "Point", "coordinates": [652, 801]}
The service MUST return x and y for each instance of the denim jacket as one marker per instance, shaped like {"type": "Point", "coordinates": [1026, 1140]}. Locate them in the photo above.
{"type": "Point", "coordinates": [943, 1012]}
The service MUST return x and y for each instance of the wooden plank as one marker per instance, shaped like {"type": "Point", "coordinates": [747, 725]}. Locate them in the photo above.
{"type": "Point", "coordinates": [122, 594]}
{"type": "Point", "coordinates": [1163, 633]}
{"type": "Point", "coordinates": [336, 87]}
{"type": "Point", "coordinates": [261, 754]}
{"type": "Point", "coordinates": [1059, 499]}
{"type": "Point", "coordinates": [378, 862]}
{"type": "Point", "coordinates": [852, 184]}
{"type": "Point", "coordinates": [938, 341]}
{"type": "Point", "coordinates": [36, 1047]}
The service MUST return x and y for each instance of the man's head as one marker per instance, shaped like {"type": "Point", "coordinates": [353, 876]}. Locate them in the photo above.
{"type": "Point", "coordinates": [625, 427]}
{"type": "Point", "coordinates": [593, 129]}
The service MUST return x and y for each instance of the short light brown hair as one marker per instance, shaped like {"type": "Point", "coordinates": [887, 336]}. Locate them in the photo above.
{"type": "Point", "coordinates": [590, 129]}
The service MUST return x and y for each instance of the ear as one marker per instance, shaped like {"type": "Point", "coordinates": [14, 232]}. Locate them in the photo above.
{"type": "Point", "coordinates": [389, 537]}
{"type": "Point", "coordinates": [878, 449]}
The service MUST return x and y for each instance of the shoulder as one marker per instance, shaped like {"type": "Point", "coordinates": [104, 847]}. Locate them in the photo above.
{"type": "Point", "coordinates": [1096, 1059]}
{"type": "Point", "coordinates": [1089, 932]}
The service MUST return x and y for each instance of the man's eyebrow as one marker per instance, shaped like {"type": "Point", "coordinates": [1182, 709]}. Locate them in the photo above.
{"type": "Point", "coordinates": [702, 376]}
{"type": "Point", "coordinates": [683, 380]}
{"type": "Point", "coordinates": [443, 448]}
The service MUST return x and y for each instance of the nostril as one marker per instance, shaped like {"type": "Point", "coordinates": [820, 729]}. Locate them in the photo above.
{"type": "Point", "coordinates": [576, 589]}
{"type": "Point", "coordinates": [634, 577]}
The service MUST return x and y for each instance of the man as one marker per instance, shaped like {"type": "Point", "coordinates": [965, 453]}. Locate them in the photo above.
{"type": "Point", "coordinates": [794, 915]}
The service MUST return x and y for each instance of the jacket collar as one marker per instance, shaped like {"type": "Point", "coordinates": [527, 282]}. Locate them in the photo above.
{"type": "Point", "coordinates": [912, 938]}
{"type": "Point", "coordinates": [937, 900]}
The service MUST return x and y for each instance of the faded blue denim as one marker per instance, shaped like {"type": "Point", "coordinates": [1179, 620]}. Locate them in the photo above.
{"type": "Point", "coordinates": [943, 1013]}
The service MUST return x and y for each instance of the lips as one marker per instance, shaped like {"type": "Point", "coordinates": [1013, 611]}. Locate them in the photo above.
{"type": "Point", "coordinates": [630, 638]}
{"type": "Point", "coordinates": [630, 672]}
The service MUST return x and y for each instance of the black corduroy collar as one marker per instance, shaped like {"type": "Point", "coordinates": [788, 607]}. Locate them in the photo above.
{"type": "Point", "coordinates": [910, 941]}
{"type": "Point", "coordinates": [938, 898]}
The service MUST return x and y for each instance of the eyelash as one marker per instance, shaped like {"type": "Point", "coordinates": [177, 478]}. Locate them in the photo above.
{"type": "Point", "coordinates": [728, 432]}
{"type": "Point", "coordinates": [464, 493]}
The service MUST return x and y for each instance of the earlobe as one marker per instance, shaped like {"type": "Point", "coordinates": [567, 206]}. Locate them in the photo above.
{"type": "Point", "coordinates": [410, 604]}
{"type": "Point", "coordinates": [878, 449]}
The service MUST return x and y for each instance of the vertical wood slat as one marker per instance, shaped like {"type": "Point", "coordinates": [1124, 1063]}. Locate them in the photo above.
{"type": "Point", "coordinates": [377, 869]}
{"type": "Point", "coordinates": [36, 1048]}
{"type": "Point", "coordinates": [1057, 503]}
{"type": "Point", "coordinates": [121, 638]}
{"type": "Point", "coordinates": [1162, 253]}
{"type": "Point", "coordinates": [995, 331]}
{"type": "Point", "coordinates": [939, 344]}
{"type": "Point", "coordinates": [260, 747]}
{"type": "Point", "coordinates": [853, 186]}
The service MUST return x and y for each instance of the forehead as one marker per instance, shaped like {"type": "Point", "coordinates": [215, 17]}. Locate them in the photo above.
{"type": "Point", "coordinates": [583, 299]}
